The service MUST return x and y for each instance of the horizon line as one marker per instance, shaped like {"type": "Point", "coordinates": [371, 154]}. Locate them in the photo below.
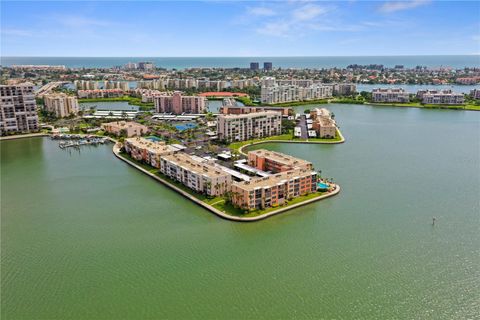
{"type": "Point", "coordinates": [295, 56]}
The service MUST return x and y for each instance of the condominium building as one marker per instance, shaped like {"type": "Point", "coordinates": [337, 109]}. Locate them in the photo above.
{"type": "Point", "coordinates": [275, 162]}
{"type": "Point", "coordinates": [254, 66]}
{"type": "Point", "coordinates": [229, 108]}
{"type": "Point", "coordinates": [60, 104]}
{"type": "Point", "coordinates": [158, 84]}
{"type": "Point", "coordinates": [241, 83]}
{"type": "Point", "coordinates": [146, 66]}
{"type": "Point", "coordinates": [323, 123]}
{"type": "Point", "coordinates": [290, 93]}
{"type": "Point", "coordinates": [440, 97]}
{"type": "Point", "coordinates": [150, 152]}
{"type": "Point", "coordinates": [177, 103]}
{"type": "Point", "coordinates": [85, 84]}
{"type": "Point", "coordinates": [128, 129]}
{"type": "Point", "coordinates": [18, 109]}
{"type": "Point", "coordinates": [390, 95]}
{"type": "Point", "coordinates": [274, 190]}
{"type": "Point", "coordinates": [100, 93]}
{"type": "Point", "coordinates": [267, 66]}
{"type": "Point", "coordinates": [475, 94]}
{"type": "Point", "coordinates": [240, 127]}
{"type": "Point", "coordinates": [122, 85]}
{"type": "Point", "coordinates": [196, 174]}
{"type": "Point", "coordinates": [344, 89]}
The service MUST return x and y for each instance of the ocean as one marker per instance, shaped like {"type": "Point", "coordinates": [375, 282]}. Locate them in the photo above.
{"type": "Point", "coordinates": [454, 61]}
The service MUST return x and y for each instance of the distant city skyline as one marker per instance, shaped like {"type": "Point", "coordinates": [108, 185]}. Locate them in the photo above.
{"type": "Point", "coordinates": [240, 29]}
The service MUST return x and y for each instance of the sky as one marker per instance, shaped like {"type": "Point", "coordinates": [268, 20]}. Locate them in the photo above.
{"type": "Point", "coordinates": [239, 28]}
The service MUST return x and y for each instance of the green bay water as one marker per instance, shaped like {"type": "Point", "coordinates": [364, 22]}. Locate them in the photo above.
{"type": "Point", "coordinates": [85, 236]}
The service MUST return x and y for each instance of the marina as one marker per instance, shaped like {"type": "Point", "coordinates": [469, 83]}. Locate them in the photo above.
{"type": "Point", "coordinates": [76, 140]}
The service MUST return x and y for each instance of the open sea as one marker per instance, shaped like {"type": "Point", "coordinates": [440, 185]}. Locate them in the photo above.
{"type": "Point", "coordinates": [454, 61]}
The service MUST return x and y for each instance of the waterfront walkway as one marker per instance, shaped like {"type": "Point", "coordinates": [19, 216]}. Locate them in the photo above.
{"type": "Point", "coordinates": [116, 151]}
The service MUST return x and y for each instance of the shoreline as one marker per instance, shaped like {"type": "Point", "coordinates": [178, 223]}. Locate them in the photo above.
{"type": "Point", "coordinates": [342, 140]}
{"type": "Point", "coordinates": [379, 104]}
{"type": "Point", "coordinates": [221, 214]}
{"type": "Point", "coordinates": [23, 136]}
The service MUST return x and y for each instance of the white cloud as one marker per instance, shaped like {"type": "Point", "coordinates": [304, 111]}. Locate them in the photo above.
{"type": "Point", "coordinates": [81, 22]}
{"type": "Point", "coordinates": [276, 28]}
{"type": "Point", "coordinates": [308, 12]}
{"type": "Point", "coordinates": [17, 32]}
{"type": "Point", "coordinates": [394, 6]}
{"type": "Point", "coordinates": [261, 11]}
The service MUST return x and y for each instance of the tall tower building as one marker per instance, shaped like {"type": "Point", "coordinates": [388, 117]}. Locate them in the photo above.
{"type": "Point", "coordinates": [18, 109]}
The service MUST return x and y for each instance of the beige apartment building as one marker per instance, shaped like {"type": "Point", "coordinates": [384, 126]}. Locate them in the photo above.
{"type": "Point", "coordinates": [18, 109]}
{"type": "Point", "coordinates": [150, 152]}
{"type": "Point", "coordinates": [274, 190]}
{"type": "Point", "coordinates": [177, 103]}
{"type": "Point", "coordinates": [129, 129]}
{"type": "Point", "coordinates": [196, 174]}
{"type": "Point", "coordinates": [61, 104]}
{"type": "Point", "coordinates": [323, 123]}
{"type": "Point", "coordinates": [240, 127]}
{"type": "Point", "coordinates": [390, 95]}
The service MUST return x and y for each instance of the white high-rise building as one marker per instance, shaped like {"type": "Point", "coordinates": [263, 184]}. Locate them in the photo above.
{"type": "Point", "coordinates": [18, 109]}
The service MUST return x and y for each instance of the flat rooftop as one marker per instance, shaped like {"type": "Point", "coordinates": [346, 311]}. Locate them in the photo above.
{"type": "Point", "coordinates": [194, 165]}
{"type": "Point", "coordinates": [280, 157]}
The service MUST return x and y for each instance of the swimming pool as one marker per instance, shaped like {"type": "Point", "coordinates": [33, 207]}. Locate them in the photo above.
{"type": "Point", "coordinates": [153, 138]}
{"type": "Point", "coordinates": [185, 126]}
{"type": "Point", "coordinates": [322, 186]}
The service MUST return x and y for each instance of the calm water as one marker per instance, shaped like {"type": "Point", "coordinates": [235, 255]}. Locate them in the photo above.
{"type": "Point", "coordinates": [455, 61]}
{"type": "Point", "coordinates": [85, 236]}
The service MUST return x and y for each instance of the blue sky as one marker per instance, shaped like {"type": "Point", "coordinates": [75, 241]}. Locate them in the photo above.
{"type": "Point", "coordinates": [239, 28]}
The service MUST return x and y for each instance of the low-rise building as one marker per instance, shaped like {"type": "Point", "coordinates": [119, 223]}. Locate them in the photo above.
{"type": "Point", "coordinates": [196, 174]}
{"type": "Point", "coordinates": [475, 94]}
{"type": "Point", "coordinates": [236, 109]}
{"type": "Point", "coordinates": [273, 190]}
{"type": "Point", "coordinates": [440, 97]}
{"type": "Point", "coordinates": [344, 89]}
{"type": "Point", "coordinates": [177, 103]}
{"type": "Point", "coordinates": [18, 108]}
{"type": "Point", "coordinates": [100, 93]}
{"type": "Point", "coordinates": [142, 149]}
{"type": "Point", "coordinates": [390, 95]}
{"type": "Point", "coordinates": [61, 104]}
{"type": "Point", "coordinates": [240, 127]}
{"type": "Point", "coordinates": [323, 123]}
{"type": "Point", "coordinates": [275, 162]}
{"type": "Point", "coordinates": [124, 128]}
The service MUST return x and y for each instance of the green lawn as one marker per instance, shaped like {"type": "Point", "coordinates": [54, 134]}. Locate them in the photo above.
{"type": "Point", "coordinates": [286, 137]}
{"type": "Point", "coordinates": [237, 145]}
